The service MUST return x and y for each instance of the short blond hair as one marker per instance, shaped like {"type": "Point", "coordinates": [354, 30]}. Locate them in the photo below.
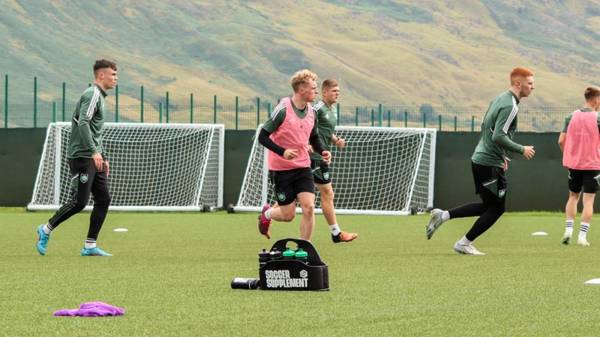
{"type": "Point", "coordinates": [302, 77]}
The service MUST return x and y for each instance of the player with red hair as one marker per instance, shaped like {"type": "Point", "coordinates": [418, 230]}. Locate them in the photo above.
{"type": "Point", "coordinates": [489, 162]}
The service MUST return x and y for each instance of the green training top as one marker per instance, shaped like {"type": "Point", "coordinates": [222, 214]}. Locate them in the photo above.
{"type": "Point", "coordinates": [326, 121]}
{"type": "Point", "coordinates": [86, 126]}
{"type": "Point", "coordinates": [497, 130]}
{"type": "Point", "coordinates": [568, 119]}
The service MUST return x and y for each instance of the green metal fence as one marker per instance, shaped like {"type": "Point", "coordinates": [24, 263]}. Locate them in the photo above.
{"type": "Point", "coordinates": [246, 113]}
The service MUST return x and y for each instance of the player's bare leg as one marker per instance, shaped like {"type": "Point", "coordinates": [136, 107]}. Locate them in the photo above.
{"type": "Point", "coordinates": [280, 213]}
{"type": "Point", "coordinates": [307, 224]}
{"type": "Point", "coordinates": [586, 217]}
{"type": "Point", "coordinates": [337, 235]}
{"type": "Point", "coordinates": [571, 212]}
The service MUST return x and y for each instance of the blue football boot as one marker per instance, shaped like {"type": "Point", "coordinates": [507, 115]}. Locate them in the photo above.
{"type": "Point", "coordinates": [42, 240]}
{"type": "Point", "coordinates": [96, 251]}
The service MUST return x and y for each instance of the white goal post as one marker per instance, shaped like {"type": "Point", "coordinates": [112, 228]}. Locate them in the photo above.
{"type": "Point", "coordinates": [387, 171]}
{"type": "Point", "coordinates": [153, 167]}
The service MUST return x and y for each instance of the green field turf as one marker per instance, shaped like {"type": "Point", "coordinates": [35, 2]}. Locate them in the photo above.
{"type": "Point", "coordinates": [172, 274]}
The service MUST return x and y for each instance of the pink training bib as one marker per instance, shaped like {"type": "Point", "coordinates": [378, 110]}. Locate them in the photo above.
{"type": "Point", "coordinates": [293, 133]}
{"type": "Point", "coordinates": [582, 143]}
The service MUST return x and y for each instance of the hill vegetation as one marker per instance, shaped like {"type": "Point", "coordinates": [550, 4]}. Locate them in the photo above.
{"type": "Point", "coordinates": [393, 52]}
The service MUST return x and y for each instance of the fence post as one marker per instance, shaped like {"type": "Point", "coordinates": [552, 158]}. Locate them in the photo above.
{"type": "Point", "coordinates": [64, 99]}
{"type": "Point", "coordinates": [142, 104]}
{"type": "Point", "coordinates": [167, 108]}
{"type": "Point", "coordinates": [35, 101]}
{"type": "Point", "coordinates": [237, 111]}
{"type": "Point", "coordinates": [257, 111]}
{"type": "Point", "coordinates": [269, 110]}
{"type": "Point", "coordinates": [455, 123]}
{"type": "Point", "coordinates": [339, 113]}
{"type": "Point", "coordinates": [214, 109]}
{"type": "Point", "coordinates": [53, 112]}
{"type": "Point", "coordinates": [439, 122]}
{"type": "Point", "coordinates": [389, 118]}
{"type": "Point", "coordinates": [6, 101]}
{"type": "Point", "coordinates": [191, 108]}
{"type": "Point", "coordinates": [405, 118]}
{"type": "Point", "coordinates": [356, 117]}
{"type": "Point", "coordinates": [372, 117]}
{"type": "Point", "coordinates": [160, 112]}
{"type": "Point", "coordinates": [380, 115]}
{"type": "Point", "coordinates": [117, 103]}
{"type": "Point", "coordinates": [472, 123]}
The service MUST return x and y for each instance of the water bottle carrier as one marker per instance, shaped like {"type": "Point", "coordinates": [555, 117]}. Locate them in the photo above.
{"type": "Point", "coordinates": [283, 273]}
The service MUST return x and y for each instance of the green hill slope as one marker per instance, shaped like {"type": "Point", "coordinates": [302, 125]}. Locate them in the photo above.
{"type": "Point", "coordinates": [395, 52]}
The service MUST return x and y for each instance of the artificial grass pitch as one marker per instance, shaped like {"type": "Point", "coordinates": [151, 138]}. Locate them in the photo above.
{"type": "Point", "coordinates": [172, 273]}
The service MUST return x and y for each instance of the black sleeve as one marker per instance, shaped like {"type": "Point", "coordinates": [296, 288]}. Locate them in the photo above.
{"type": "Point", "coordinates": [264, 140]}
{"type": "Point", "coordinates": [315, 141]}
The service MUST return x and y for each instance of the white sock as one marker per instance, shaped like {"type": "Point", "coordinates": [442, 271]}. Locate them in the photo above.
{"type": "Point", "coordinates": [583, 230]}
{"type": "Point", "coordinates": [464, 241]}
{"type": "Point", "coordinates": [46, 228]}
{"type": "Point", "coordinates": [445, 216]}
{"type": "Point", "coordinates": [569, 227]}
{"type": "Point", "coordinates": [268, 213]}
{"type": "Point", "coordinates": [89, 244]}
{"type": "Point", "coordinates": [335, 229]}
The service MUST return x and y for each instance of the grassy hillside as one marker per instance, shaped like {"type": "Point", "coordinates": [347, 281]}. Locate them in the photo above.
{"type": "Point", "coordinates": [394, 52]}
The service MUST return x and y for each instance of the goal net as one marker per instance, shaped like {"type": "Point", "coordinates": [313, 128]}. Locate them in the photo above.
{"type": "Point", "coordinates": [380, 171]}
{"type": "Point", "coordinates": [154, 167]}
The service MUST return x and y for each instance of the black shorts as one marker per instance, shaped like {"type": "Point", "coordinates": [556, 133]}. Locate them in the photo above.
{"type": "Point", "coordinates": [490, 182]}
{"type": "Point", "coordinates": [320, 171]}
{"type": "Point", "coordinates": [588, 179]}
{"type": "Point", "coordinates": [289, 183]}
{"type": "Point", "coordinates": [85, 179]}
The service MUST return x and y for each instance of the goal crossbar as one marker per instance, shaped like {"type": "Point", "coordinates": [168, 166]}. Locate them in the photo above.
{"type": "Point", "coordinates": [381, 171]}
{"type": "Point", "coordinates": [154, 167]}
